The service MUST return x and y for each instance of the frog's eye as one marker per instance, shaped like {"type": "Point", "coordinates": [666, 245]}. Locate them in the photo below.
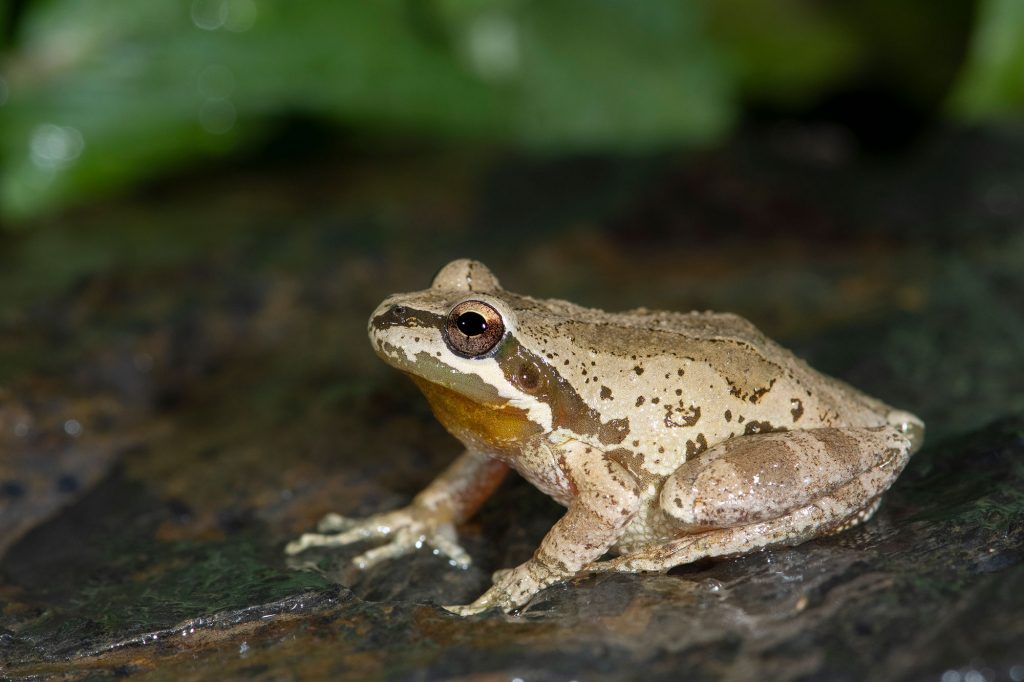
{"type": "Point", "coordinates": [473, 328]}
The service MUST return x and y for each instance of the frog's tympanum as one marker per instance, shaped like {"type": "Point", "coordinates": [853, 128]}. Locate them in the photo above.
{"type": "Point", "coordinates": [669, 437]}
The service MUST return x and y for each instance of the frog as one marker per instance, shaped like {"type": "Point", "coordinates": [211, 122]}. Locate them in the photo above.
{"type": "Point", "coordinates": [668, 437]}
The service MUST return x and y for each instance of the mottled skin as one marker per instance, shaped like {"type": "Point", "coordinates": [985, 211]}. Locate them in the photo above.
{"type": "Point", "coordinates": [668, 436]}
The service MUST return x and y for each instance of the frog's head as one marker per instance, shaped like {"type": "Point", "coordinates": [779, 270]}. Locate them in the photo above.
{"type": "Point", "coordinates": [458, 341]}
{"type": "Point", "coordinates": [478, 353]}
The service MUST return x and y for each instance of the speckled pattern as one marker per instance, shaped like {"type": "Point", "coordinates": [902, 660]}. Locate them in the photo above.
{"type": "Point", "coordinates": [657, 430]}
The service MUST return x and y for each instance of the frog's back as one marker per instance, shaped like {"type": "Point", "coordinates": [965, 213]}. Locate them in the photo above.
{"type": "Point", "coordinates": [706, 357]}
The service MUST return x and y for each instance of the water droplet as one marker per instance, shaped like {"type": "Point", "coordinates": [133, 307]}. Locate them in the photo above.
{"type": "Point", "coordinates": [243, 649]}
{"type": "Point", "coordinates": [53, 147]}
{"type": "Point", "coordinates": [1017, 673]}
{"type": "Point", "coordinates": [73, 428]}
{"type": "Point", "coordinates": [209, 15]}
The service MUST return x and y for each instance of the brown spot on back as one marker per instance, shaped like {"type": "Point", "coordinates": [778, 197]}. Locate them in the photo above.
{"type": "Point", "coordinates": [639, 370]}
{"type": "Point", "coordinates": [761, 427]}
{"type": "Point", "coordinates": [728, 415]}
{"type": "Point", "coordinates": [633, 462]}
{"type": "Point", "coordinates": [606, 393]}
{"type": "Point", "coordinates": [731, 346]}
{"type": "Point", "coordinates": [613, 432]}
{"type": "Point", "coordinates": [696, 446]}
{"type": "Point", "coordinates": [798, 408]}
{"type": "Point", "coordinates": [758, 393]}
{"type": "Point", "coordinates": [681, 415]}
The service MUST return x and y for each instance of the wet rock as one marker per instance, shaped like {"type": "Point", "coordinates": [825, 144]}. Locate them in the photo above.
{"type": "Point", "coordinates": [222, 415]}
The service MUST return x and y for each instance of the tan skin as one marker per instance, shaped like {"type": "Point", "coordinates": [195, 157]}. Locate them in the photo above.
{"type": "Point", "coordinates": [669, 437]}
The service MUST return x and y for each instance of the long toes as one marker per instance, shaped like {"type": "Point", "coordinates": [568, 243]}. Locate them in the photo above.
{"type": "Point", "coordinates": [308, 540]}
{"type": "Point", "coordinates": [371, 558]}
{"type": "Point", "coordinates": [450, 548]}
{"type": "Point", "coordinates": [363, 531]}
{"type": "Point", "coordinates": [333, 523]}
{"type": "Point", "coordinates": [464, 609]}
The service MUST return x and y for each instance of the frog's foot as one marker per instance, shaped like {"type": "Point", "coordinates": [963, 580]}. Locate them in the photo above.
{"type": "Point", "coordinates": [405, 530]}
{"type": "Point", "coordinates": [512, 588]}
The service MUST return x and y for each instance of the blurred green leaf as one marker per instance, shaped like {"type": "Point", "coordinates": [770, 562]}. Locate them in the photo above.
{"type": "Point", "coordinates": [104, 95]}
{"type": "Point", "coordinates": [785, 51]}
{"type": "Point", "coordinates": [992, 82]}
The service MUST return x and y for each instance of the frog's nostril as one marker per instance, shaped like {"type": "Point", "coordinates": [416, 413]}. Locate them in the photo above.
{"type": "Point", "coordinates": [398, 310]}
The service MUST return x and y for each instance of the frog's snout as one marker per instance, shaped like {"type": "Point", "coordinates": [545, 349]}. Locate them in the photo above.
{"type": "Point", "coordinates": [389, 315]}
{"type": "Point", "coordinates": [911, 425]}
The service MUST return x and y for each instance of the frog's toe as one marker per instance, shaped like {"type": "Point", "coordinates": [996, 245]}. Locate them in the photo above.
{"type": "Point", "coordinates": [484, 602]}
{"type": "Point", "coordinates": [380, 526]}
{"type": "Point", "coordinates": [309, 540]}
{"type": "Point", "coordinates": [444, 542]}
{"type": "Point", "coordinates": [463, 609]}
{"type": "Point", "coordinates": [335, 523]}
{"type": "Point", "coordinates": [392, 550]}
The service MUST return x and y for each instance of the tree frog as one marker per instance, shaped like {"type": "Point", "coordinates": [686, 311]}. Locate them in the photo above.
{"type": "Point", "coordinates": [669, 437]}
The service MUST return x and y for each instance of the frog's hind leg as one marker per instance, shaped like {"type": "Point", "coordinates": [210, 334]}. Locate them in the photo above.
{"type": "Point", "coordinates": [771, 489]}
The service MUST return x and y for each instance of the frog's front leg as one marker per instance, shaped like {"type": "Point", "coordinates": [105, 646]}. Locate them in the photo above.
{"type": "Point", "coordinates": [430, 520]}
{"type": "Point", "coordinates": [606, 500]}
{"type": "Point", "coordinates": [770, 489]}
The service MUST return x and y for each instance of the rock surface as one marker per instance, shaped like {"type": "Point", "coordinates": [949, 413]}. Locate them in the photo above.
{"type": "Point", "coordinates": [192, 387]}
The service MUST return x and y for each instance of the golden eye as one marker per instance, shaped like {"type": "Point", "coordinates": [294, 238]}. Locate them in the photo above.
{"type": "Point", "coordinates": [473, 328]}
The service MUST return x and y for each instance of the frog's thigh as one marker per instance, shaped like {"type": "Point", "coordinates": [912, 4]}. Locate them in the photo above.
{"type": "Point", "coordinates": [760, 477]}
{"type": "Point", "coordinates": [846, 506]}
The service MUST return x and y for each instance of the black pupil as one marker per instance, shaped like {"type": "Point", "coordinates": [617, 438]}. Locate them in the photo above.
{"type": "Point", "coordinates": [471, 324]}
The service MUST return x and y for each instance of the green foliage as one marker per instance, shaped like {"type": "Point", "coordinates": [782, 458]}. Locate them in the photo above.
{"type": "Point", "coordinates": [105, 96]}
{"type": "Point", "coordinates": [786, 51]}
{"type": "Point", "coordinates": [102, 95]}
{"type": "Point", "coordinates": [992, 82]}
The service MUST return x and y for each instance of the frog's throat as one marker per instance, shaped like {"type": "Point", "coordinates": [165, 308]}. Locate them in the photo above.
{"type": "Point", "coordinates": [494, 427]}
